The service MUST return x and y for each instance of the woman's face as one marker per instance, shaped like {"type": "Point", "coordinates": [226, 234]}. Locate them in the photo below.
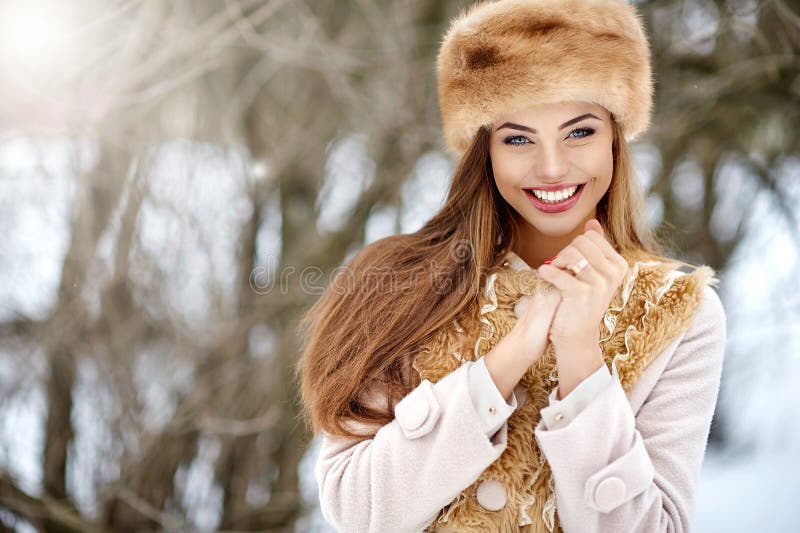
{"type": "Point", "coordinates": [553, 146]}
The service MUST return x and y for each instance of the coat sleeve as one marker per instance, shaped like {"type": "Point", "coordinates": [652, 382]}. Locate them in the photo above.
{"type": "Point", "coordinates": [492, 408]}
{"type": "Point", "coordinates": [401, 477]}
{"type": "Point", "coordinates": [559, 413]}
{"type": "Point", "coordinates": [616, 472]}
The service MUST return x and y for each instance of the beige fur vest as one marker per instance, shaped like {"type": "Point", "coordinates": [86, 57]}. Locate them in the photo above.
{"type": "Point", "coordinates": [654, 304]}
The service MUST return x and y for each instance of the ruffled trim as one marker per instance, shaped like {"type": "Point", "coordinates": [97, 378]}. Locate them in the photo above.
{"type": "Point", "coordinates": [524, 517]}
{"type": "Point", "coordinates": [488, 331]}
{"type": "Point", "coordinates": [459, 500]}
{"type": "Point", "coordinates": [610, 320]}
{"type": "Point", "coordinates": [612, 313]}
{"type": "Point", "coordinates": [460, 331]}
{"type": "Point", "coordinates": [414, 363]}
{"type": "Point", "coordinates": [549, 510]}
{"type": "Point", "coordinates": [553, 377]}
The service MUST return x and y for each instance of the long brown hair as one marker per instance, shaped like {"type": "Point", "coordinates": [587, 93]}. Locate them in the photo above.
{"type": "Point", "coordinates": [392, 295]}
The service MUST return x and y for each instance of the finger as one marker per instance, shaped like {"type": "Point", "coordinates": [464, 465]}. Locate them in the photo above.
{"type": "Point", "coordinates": [570, 256]}
{"type": "Point", "coordinates": [564, 258]}
{"type": "Point", "coordinates": [602, 243]}
{"type": "Point", "coordinates": [589, 273]}
{"type": "Point", "coordinates": [606, 248]}
{"type": "Point", "coordinates": [563, 281]}
{"type": "Point", "coordinates": [616, 261]}
{"type": "Point", "coordinates": [594, 225]}
{"type": "Point", "coordinates": [588, 249]}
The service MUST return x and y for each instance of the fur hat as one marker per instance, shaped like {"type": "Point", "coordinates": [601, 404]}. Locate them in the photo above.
{"type": "Point", "coordinates": [502, 55]}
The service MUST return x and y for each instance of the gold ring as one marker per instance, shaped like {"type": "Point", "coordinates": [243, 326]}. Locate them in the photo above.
{"type": "Point", "coordinates": [577, 267]}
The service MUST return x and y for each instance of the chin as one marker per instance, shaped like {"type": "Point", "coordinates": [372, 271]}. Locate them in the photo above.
{"type": "Point", "coordinates": [556, 229]}
{"type": "Point", "coordinates": [554, 226]}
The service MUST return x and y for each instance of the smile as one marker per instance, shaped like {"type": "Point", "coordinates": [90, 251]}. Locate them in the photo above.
{"type": "Point", "coordinates": [555, 201]}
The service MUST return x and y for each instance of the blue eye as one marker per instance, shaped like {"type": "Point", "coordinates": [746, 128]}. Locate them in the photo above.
{"type": "Point", "coordinates": [510, 140]}
{"type": "Point", "coordinates": [589, 131]}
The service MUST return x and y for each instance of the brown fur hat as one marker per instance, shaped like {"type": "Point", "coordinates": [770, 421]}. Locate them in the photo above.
{"type": "Point", "coordinates": [502, 55]}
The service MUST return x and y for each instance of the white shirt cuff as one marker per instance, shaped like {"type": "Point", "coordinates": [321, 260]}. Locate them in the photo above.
{"type": "Point", "coordinates": [559, 413]}
{"type": "Point", "coordinates": [487, 399]}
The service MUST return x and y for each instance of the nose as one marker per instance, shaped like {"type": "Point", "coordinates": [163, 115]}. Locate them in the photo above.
{"type": "Point", "coordinates": [551, 165]}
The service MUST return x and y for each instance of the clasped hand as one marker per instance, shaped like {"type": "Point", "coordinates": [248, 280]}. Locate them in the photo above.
{"type": "Point", "coordinates": [585, 297]}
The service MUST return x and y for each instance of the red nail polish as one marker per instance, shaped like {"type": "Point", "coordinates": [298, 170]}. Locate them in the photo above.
{"type": "Point", "coordinates": [550, 260]}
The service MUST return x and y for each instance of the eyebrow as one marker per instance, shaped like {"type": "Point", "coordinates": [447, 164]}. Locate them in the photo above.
{"type": "Point", "coordinates": [561, 127]}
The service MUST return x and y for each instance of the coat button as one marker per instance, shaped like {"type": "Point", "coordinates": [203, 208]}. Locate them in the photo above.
{"type": "Point", "coordinates": [609, 493]}
{"type": "Point", "coordinates": [491, 495]}
{"type": "Point", "coordinates": [413, 414]}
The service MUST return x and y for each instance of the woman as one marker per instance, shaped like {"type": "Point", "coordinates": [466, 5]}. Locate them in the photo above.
{"type": "Point", "coordinates": [527, 361]}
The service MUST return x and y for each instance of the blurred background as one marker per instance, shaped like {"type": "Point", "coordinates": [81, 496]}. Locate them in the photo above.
{"type": "Point", "coordinates": [178, 179]}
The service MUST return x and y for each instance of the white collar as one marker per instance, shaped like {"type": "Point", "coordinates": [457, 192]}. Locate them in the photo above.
{"type": "Point", "coordinates": [516, 262]}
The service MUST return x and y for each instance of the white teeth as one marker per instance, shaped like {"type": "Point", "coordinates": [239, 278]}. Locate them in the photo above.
{"type": "Point", "coordinates": [555, 197]}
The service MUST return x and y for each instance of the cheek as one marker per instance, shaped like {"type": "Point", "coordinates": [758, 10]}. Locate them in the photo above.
{"type": "Point", "coordinates": [607, 172]}
{"type": "Point", "coordinates": [600, 165]}
{"type": "Point", "coordinates": [507, 186]}
{"type": "Point", "coordinates": [506, 174]}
